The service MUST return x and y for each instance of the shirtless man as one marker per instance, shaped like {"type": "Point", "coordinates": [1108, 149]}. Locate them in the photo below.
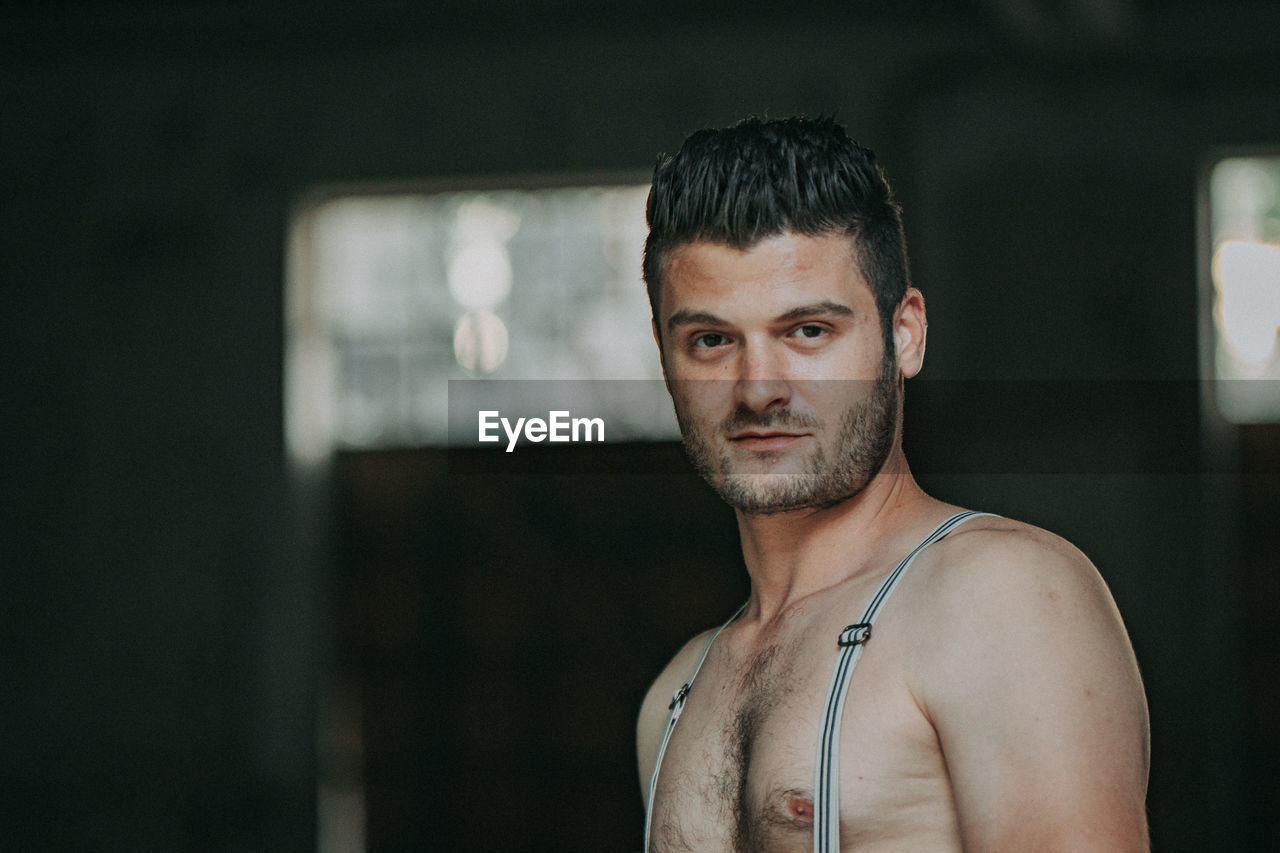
{"type": "Point", "coordinates": [997, 703]}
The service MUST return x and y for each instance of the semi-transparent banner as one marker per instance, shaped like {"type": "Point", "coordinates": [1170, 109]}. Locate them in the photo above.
{"type": "Point", "coordinates": [949, 426]}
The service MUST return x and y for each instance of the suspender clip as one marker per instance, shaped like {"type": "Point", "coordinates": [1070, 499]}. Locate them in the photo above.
{"type": "Point", "coordinates": [855, 635]}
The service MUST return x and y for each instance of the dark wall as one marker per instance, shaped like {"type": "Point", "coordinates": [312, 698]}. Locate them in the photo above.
{"type": "Point", "coordinates": [163, 616]}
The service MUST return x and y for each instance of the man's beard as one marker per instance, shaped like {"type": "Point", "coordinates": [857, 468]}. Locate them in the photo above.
{"type": "Point", "coordinates": [865, 437]}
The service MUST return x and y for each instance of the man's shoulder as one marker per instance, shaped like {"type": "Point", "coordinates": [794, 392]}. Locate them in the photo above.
{"type": "Point", "coordinates": [996, 558]}
{"type": "Point", "coordinates": [682, 663]}
{"type": "Point", "coordinates": [679, 669]}
{"type": "Point", "coordinates": [997, 595]}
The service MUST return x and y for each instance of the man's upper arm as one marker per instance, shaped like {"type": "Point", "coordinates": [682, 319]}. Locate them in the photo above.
{"type": "Point", "coordinates": [1031, 684]}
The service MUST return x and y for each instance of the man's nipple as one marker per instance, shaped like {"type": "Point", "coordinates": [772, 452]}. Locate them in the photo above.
{"type": "Point", "coordinates": [800, 808]}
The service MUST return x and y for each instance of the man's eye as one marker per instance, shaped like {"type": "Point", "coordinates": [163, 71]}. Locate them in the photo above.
{"type": "Point", "coordinates": [709, 339]}
{"type": "Point", "coordinates": [809, 330]}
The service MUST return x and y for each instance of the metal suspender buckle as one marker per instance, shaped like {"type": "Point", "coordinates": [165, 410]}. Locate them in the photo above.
{"type": "Point", "coordinates": [855, 634]}
{"type": "Point", "coordinates": [677, 698]}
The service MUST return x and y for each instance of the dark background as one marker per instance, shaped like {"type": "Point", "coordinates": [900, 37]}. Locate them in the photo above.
{"type": "Point", "coordinates": [175, 601]}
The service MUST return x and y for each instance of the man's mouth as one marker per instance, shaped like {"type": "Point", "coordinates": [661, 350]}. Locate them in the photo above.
{"type": "Point", "coordinates": [766, 439]}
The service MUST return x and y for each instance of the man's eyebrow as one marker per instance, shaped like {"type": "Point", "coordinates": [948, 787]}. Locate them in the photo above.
{"type": "Point", "coordinates": [685, 317]}
{"type": "Point", "coordinates": [817, 309]}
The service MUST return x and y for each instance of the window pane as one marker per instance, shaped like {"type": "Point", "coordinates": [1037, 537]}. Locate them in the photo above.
{"type": "Point", "coordinates": [1244, 203]}
{"type": "Point", "coordinates": [392, 296]}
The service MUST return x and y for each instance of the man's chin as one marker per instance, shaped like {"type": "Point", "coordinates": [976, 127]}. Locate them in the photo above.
{"type": "Point", "coordinates": [767, 494]}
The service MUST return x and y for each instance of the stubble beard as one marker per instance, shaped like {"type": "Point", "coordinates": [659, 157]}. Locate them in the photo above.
{"type": "Point", "coordinates": [864, 440]}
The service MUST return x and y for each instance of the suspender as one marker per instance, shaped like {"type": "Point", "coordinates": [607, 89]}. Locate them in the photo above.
{"type": "Point", "coordinates": [677, 705]}
{"type": "Point", "coordinates": [826, 798]}
{"type": "Point", "coordinates": [826, 776]}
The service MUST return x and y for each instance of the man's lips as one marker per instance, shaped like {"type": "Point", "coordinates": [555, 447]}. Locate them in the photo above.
{"type": "Point", "coordinates": [766, 440]}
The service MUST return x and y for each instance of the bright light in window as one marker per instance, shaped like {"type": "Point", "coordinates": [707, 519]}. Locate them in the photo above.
{"type": "Point", "coordinates": [1247, 278]}
{"type": "Point", "coordinates": [1244, 204]}
{"type": "Point", "coordinates": [480, 266]}
{"type": "Point", "coordinates": [480, 341]}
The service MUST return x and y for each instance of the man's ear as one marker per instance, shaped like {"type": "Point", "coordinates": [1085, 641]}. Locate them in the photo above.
{"type": "Point", "coordinates": [910, 326]}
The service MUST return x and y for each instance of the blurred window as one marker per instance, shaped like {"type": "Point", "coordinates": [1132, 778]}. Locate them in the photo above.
{"type": "Point", "coordinates": [391, 295]}
{"type": "Point", "coordinates": [1243, 299]}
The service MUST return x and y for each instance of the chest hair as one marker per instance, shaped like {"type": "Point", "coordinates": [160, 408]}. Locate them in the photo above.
{"type": "Point", "coordinates": [762, 687]}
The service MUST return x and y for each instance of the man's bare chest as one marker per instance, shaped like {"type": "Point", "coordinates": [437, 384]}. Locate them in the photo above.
{"type": "Point", "coordinates": [739, 770]}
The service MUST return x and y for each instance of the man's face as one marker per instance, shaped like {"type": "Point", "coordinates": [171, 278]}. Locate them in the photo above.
{"type": "Point", "coordinates": [775, 359]}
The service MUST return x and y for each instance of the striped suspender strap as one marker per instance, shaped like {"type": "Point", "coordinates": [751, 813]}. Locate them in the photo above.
{"type": "Point", "coordinates": [826, 777]}
{"type": "Point", "coordinates": [677, 705]}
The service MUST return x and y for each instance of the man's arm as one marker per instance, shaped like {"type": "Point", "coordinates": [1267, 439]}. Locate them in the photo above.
{"type": "Point", "coordinates": [1029, 679]}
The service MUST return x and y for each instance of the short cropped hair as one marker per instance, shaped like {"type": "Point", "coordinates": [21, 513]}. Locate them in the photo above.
{"type": "Point", "coordinates": [742, 184]}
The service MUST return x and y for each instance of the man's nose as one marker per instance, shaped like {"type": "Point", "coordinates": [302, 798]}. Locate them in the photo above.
{"type": "Point", "coordinates": [761, 382]}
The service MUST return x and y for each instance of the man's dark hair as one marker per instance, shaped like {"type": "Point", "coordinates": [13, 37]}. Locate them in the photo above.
{"type": "Point", "coordinates": [739, 185]}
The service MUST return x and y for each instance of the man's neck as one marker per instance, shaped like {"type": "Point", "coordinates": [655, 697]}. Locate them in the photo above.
{"type": "Point", "coordinates": [793, 555]}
